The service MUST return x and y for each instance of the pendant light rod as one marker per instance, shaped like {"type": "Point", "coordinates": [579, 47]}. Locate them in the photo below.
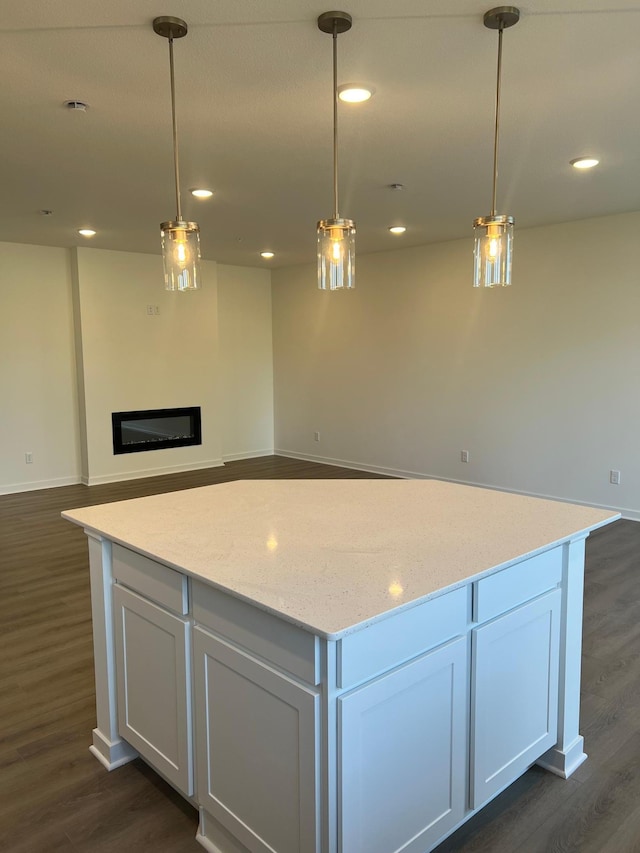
{"type": "Point", "coordinates": [173, 28]}
{"type": "Point", "coordinates": [176, 162]}
{"type": "Point", "coordinates": [499, 19]}
{"type": "Point", "coordinates": [497, 127]}
{"type": "Point", "coordinates": [335, 23]}
{"type": "Point", "coordinates": [336, 215]}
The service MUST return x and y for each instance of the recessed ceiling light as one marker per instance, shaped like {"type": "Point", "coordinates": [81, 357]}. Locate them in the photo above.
{"type": "Point", "coordinates": [584, 162]}
{"type": "Point", "coordinates": [202, 193]}
{"type": "Point", "coordinates": [86, 232]}
{"type": "Point", "coordinates": [397, 229]}
{"type": "Point", "coordinates": [355, 93]}
{"type": "Point", "coordinates": [267, 254]}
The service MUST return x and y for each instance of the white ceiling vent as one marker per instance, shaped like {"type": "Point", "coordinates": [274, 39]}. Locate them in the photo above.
{"type": "Point", "coordinates": [76, 105]}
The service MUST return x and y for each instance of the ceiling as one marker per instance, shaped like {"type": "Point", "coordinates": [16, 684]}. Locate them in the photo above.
{"type": "Point", "coordinates": [254, 102]}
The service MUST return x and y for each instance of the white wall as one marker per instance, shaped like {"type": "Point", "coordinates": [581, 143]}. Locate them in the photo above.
{"type": "Point", "coordinates": [126, 359]}
{"type": "Point", "coordinates": [246, 361]}
{"type": "Point", "coordinates": [37, 372]}
{"type": "Point", "coordinates": [537, 381]}
{"type": "Point", "coordinates": [132, 360]}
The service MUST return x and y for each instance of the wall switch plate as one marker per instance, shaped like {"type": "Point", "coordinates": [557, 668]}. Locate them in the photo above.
{"type": "Point", "coordinates": [464, 455]}
{"type": "Point", "coordinates": [28, 458]}
{"type": "Point", "coordinates": [614, 477]}
{"type": "Point", "coordinates": [316, 436]}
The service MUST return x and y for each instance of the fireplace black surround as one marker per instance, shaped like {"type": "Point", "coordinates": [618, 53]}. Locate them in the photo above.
{"type": "Point", "coordinates": [155, 429]}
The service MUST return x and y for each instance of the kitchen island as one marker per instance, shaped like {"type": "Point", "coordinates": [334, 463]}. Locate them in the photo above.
{"type": "Point", "coordinates": [337, 666]}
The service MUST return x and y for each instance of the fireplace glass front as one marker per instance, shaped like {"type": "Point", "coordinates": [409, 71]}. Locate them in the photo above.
{"type": "Point", "coordinates": [155, 429]}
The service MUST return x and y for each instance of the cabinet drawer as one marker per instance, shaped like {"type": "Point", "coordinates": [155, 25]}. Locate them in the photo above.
{"type": "Point", "coordinates": [288, 647]}
{"type": "Point", "coordinates": [507, 589]}
{"type": "Point", "coordinates": [154, 580]}
{"type": "Point", "coordinates": [399, 638]}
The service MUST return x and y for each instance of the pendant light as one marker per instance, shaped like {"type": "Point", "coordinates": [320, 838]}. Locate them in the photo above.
{"type": "Point", "coordinates": [494, 233]}
{"type": "Point", "coordinates": [336, 236]}
{"type": "Point", "coordinates": [180, 239]}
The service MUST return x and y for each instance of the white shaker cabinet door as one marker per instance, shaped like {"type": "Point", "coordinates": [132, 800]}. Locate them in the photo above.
{"type": "Point", "coordinates": [257, 739]}
{"type": "Point", "coordinates": [402, 755]}
{"type": "Point", "coordinates": [514, 694]}
{"type": "Point", "coordinates": [153, 685]}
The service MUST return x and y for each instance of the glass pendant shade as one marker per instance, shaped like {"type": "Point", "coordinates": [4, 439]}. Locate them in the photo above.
{"type": "Point", "coordinates": [181, 255]}
{"type": "Point", "coordinates": [336, 254]}
{"type": "Point", "coordinates": [493, 251]}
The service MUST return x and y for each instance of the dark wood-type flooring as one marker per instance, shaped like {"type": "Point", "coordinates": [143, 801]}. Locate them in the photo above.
{"type": "Point", "coordinates": [56, 798]}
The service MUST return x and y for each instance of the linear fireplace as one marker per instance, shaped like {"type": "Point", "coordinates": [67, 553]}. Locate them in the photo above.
{"type": "Point", "coordinates": [155, 429]}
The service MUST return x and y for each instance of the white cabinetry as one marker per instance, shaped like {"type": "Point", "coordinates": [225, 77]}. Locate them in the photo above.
{"type": "Point", "coordinates": [515, 694]}
{"type": "Point", "coordinates": [257, 741]}
{"type": "Point", "coordinates": [402, 755]}
{"type": "Point", "coordinates": [384, 739]}
{"type": "Point", "coordinates": [514, 672]}
{"type": "Point", "coordinates": [153, 671]}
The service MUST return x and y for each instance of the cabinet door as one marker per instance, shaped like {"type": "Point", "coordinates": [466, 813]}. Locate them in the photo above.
{"type": "Point", "coordinates": [514, 694]}
{"type": "Point", "coordinates": [152, 673]}
{"type": "Point", "coordinates": [403, 742]}
{"type": "Point", "coordinates": [257, 738]}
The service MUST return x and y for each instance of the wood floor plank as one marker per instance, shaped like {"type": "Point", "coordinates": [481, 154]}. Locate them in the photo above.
{"type": "Point", "coordinates": [500, 825]}
{"type": "Point", "coordinates": [593, 815]}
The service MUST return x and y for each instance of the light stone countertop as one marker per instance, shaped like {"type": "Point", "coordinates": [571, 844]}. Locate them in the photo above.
{"type": "Point", "coordinates": [335, 555]}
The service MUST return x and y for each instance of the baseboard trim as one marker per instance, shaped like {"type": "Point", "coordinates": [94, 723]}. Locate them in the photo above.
{"type": "Point", "coordinates": [630, 514]}
{"type": "Point", "coordinates": [13, 488]}
{"type": "Point", "coordinates": [150, 472]}
{"type": "Point", "coordinates": [247, 454]}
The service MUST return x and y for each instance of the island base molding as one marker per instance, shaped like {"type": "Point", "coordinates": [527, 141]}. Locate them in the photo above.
{"type": "Point", "coordinates": [111, 754]}
{"type": "Point", "coordinates": [565, 762]}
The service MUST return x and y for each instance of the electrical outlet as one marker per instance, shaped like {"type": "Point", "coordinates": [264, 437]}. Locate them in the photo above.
{"type": "Point", "coordinates": [316, 436]}
{"type": "Point", "coordinates": [464, 455]}
{"type": "Point", "coordinates": [614, 477]}
{"type": "Point", "coordinates": [28, 458]}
